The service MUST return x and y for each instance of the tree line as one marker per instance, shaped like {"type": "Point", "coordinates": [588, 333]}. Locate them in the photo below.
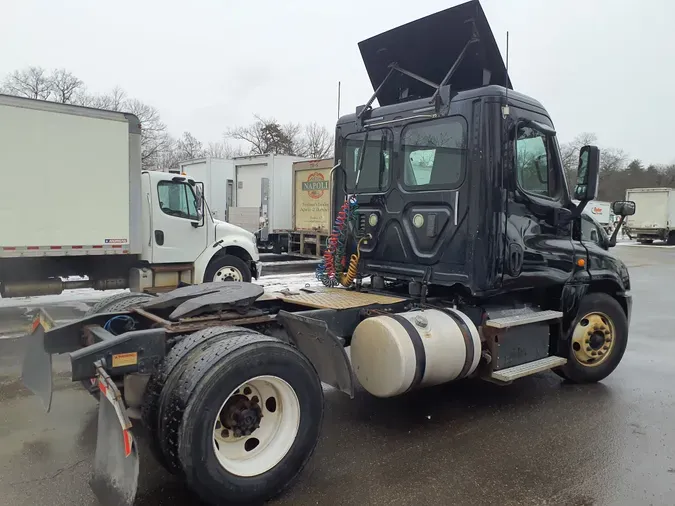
{"type": "Point", "coordinates": [618, 171]}
{"type": "Point", "coordinates": [159, 149]}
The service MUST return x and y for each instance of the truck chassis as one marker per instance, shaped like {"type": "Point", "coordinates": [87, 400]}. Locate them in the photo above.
{"type": "Point", "coordinates": [227, 380]}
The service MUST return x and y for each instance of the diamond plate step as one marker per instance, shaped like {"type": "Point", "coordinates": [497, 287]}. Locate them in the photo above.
{"type": "Point", "coordinates": [523, 318]}
{"type": "Point", "coordinates": [519, 371]}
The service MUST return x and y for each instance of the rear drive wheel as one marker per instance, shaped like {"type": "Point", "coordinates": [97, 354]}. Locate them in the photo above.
{"type": "Point", "coordinates": [163, 381]}
{"type": "Point", "coordinates": [246, 418]}
{"type": "Point", "coordinates": [227, 268]}
{"type": "Point", "coordinates": [598, 339]}
{"type": "Point", "coordinates": [671, 239]}
{"type": "Point", "coordinates": [113, 304]}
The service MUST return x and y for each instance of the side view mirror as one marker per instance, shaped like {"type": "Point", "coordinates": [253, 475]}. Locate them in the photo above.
{"type": "Point", "coordinates": [588, 174]}
{"type": "Point", "coordinates": [623, 207]}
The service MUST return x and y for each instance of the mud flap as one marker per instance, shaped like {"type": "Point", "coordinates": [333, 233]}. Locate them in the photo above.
{"type": "Point", "coordinates": [115, 477]}
{"type": "Point", "coordinates": [36, 371]}
{"type": "Point", "coordinates": [322, 347]}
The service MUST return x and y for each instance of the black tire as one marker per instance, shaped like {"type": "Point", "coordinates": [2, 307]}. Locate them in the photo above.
{"type": "Point", "coordinates": [574, 370]}
{"type": "Point", "coordinates": [224, 261]}
{"type": "Point", "coordinates": [671, 239]}
{"type": "Point", "coordinates": [118, 302]}
{"type": "Point", "coordinates": [206, 381]}
{"type": "Point", "coordinates": [645, 241]}
{"type": "Point", "coordinates": [155, 395]}
{"type": "Point", "coordinates": [112, 304]}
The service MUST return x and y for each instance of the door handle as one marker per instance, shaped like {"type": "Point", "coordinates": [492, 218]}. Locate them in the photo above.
{"type": "Point", "coordinates": [159, 237]}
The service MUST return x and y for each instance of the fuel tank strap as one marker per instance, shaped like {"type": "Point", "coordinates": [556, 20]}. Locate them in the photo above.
{"type": "Point", "coordinates": [468, 342]}
{"type": "Point", "coordinates": [420, 354]}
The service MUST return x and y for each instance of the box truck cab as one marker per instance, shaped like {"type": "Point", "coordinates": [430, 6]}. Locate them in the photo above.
{"type": "Point", "coordinates": [76, 204]}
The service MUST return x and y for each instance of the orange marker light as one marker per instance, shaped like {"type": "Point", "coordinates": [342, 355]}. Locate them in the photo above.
{"type": "Point", "coordinates": [581, 262]}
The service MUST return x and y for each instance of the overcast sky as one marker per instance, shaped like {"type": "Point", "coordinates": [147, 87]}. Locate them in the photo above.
{"type": "Point", "coordinates": [603, 66]}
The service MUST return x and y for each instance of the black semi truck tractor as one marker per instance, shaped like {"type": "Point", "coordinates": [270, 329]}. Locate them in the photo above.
{"type": "Point", "coordinates": [457, 253]}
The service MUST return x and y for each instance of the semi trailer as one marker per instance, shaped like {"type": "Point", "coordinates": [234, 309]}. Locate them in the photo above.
{"type": "Point", "coordinates": [456, 252]}
{"type": "Point", "coordinates": [75, 204]}
{"type": "Point", "coordinates": [254, 192]}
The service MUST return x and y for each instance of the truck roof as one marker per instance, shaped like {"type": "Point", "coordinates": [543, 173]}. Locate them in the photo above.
{"type": "Point", "coordinates": [77, 110]}
{"type": "Point", "coordinates": [490, 91]}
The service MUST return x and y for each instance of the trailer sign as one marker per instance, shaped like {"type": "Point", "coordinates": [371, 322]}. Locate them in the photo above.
{"type": "Point", "coordinates": [315, 185]}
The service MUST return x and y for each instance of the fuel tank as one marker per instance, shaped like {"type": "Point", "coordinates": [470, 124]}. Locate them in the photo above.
{"type": "Point", "coordinates": [393, 354]}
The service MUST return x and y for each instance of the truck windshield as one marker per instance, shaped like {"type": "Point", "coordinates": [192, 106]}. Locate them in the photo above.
{"type": "Point", "coordinates": [376, 170]}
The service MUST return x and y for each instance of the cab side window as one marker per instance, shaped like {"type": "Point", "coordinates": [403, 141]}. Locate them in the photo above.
{"type": "Point", "coordinates": [535, 172]}
{"type": "Point", "coordinates": [177, 199]}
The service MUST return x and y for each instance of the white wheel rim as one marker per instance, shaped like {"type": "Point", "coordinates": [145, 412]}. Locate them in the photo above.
{"type": "Point", "coordinates": [268, 443]}
{"type": "Point", "coordinates": [228, 273]}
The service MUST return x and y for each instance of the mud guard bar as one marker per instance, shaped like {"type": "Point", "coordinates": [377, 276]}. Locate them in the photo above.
{"type": "Point", "coordinates": [139, 351]}
{"type": "Point", "coordinates": [323, 349]}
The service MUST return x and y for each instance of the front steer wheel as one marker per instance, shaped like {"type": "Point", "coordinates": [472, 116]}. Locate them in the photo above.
{"type": "Point", "coordinates": [598, 339]}
{"type": "Point", "coordinates": [228, 268]}
{"type": "Point", "coordinates": [242, 418]}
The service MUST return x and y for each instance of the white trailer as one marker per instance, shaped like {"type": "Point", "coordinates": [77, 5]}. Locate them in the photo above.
{"type": "Point", "coordinates": [74, 202]}
{"type": "Point", "coordinates": [218, 177]}
{"type": "Point", "coordinates": [263, 198]}
{"type": "Point", "coordinates": [654, 217]}
{"type": "Point", "coordinates": [601, 212]}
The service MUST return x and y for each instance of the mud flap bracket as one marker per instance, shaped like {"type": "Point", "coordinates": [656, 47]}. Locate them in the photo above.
{"type": "Point", "coordinates": [322, 347]}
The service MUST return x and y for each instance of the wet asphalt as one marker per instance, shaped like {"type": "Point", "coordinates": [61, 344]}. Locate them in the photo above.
{"type": "Point", "coordinates": [537, 442]}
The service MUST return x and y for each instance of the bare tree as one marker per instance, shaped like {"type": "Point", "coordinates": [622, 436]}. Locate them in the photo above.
{"type": "Point", "coordinates": [316, 142]}
{"type": "Point", "coordinates": [569, 153]}
{"type": "Point", "coordinates": [189, 147]}
{"type": "Point", "coordinates": [33, 82]}
{"type": "Point", "coordinates": [268, 136]}
{"type": "Point", "coordinates": [223, 150]}
{"type": "Point", "coordinates": [115, 100]}
{"type": "Point", "coordinates": [65, 86]}
{"type": "Point", "coordinates": [155, 139]}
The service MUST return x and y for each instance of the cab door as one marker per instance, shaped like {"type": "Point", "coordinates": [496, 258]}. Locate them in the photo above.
{"type": "Point", "coordinates": [179, 234]}
{"type": "Point", "coordinates": [539, 249]}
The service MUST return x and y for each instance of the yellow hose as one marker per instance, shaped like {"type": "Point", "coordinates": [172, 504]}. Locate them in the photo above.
{"type": "Point", "coordinates": [346, 279]}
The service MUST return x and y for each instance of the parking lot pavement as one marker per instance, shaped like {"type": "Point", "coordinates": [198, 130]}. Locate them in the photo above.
{"type": "Point", "coordinates": [536, 442]}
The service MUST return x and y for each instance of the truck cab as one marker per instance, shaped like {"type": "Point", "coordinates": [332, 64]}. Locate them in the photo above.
{"type": "Point", "coordinates": [181, 230]}
{"type": "Point", "coordinates": [458, 179]}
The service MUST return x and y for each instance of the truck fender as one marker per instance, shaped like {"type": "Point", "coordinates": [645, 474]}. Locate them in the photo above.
{"type": "Point", "coordinates": [322, 347]}
{"type": "Point", "coordinates": [203, 260]}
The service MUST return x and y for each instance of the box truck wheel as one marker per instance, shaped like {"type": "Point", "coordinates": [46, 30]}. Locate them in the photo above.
{"type": "Point", "coordinates": [227, 268]}
{"type": "Point", "coordinates": [243, 419]}
{"type": "Point", "coordinates": [597, 341]}
{"type": "Point", "coordinates": [111, 304]}
{"type": "Point", "coordinates": [671, 238]}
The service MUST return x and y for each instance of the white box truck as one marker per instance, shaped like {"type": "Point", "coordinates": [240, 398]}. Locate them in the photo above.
{"type": "Point", "coordinates": [654, 217]}
{"type": "Point", "coordinates": [258, 193]}
{"type": "Point", "coordinates": [75, 203]}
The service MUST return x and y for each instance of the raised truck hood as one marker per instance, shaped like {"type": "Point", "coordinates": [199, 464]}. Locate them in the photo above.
{"type": "Point", "coordinates": [428, 47]}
